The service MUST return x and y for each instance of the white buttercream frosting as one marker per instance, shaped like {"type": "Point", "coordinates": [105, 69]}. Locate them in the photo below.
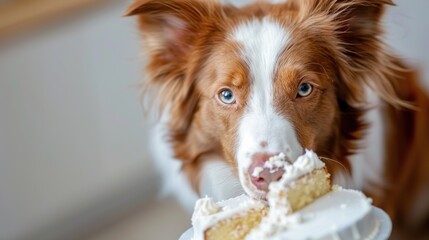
{"type": "Point", "coordinates": [257, 171]}
{"type": "Point", "coordinates": [303, 165]}
{"type": "Point", "coordinates": [308, 162]}
{"type": "Point", "coordinates": [205, 207]}
{"type": "Point", "coordinates": [276, 162]}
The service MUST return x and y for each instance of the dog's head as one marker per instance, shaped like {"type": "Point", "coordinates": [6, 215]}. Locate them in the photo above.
{"type": "Point", "coordinates": [251, 82]}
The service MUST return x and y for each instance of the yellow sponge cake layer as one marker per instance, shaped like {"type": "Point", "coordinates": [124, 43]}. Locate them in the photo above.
{"type": "Point", "coordinates": [229, 219]}
{"type": "Point", "coordinates": [304, 190]}
{"type": "Point", "coordinates": [236, 227]}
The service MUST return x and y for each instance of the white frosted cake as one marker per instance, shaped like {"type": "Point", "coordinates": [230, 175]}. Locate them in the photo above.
{"type": "Point", "coordinates": [302, 205]}
{"type": "Point", "coordinates": [302, 182]}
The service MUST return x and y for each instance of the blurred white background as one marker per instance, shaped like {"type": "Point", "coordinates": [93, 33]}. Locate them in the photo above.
{"type": "Point", "coordinates": [73, 155]}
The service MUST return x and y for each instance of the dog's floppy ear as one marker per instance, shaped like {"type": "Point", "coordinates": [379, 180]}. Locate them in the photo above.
{"type": "Point", "coordinates": [362, 57]}
{"type": "Point", "coordinates": [171, 33]}
{"type": "Point", "coordinates": [364, 54]}
{"type": "Point", "coordinates": [360, 17]}
{"type": "Point", "coordinates": [366, 57]}
{"type": "Point", "coordinates": [169, 27]}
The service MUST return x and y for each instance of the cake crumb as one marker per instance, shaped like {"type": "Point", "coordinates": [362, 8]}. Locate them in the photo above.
{"type": "Point", "coordinates": [257, 171]}
{"type": "Point", "coordinates": [276, 162]}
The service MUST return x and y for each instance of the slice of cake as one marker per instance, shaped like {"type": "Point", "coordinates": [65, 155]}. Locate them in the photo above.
{"type": "Point", "coordinates": [303, 181]}
{"type": "Point", "coordinates": [302, 205]}
{"type": "Point", "coordinates": [231, 219]}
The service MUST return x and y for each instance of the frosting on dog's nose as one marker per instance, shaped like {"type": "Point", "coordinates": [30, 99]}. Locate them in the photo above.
{"type": "Point", "coordinates": [266, 168]}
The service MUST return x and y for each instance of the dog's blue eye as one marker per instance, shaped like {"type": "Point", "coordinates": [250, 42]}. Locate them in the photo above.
{"type": "Point", "coordinates": [305, 89]}
{"type": "Point", "coordinates": [227, 96]}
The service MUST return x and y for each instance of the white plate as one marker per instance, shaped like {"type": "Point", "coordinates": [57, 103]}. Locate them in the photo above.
{"type": "Point", "coordinates": [383, 234]}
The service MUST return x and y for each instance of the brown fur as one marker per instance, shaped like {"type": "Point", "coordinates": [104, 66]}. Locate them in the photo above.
{"type": "Point", "coordinates": [335, 45]}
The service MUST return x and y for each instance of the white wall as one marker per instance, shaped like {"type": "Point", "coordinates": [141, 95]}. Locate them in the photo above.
{"type": "Point", "coordinates": [72, 134]}
{"type": "Point", "coordinates": [408, 33]}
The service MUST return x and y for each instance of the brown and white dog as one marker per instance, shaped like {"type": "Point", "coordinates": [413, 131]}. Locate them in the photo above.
{"type": "Point", "coordinates": [241, 84]}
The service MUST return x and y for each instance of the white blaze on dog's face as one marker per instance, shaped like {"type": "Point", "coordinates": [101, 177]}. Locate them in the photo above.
{"type": "Point", "coordinates": [262, 128]}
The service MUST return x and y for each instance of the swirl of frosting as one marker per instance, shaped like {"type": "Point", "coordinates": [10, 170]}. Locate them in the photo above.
{"type": "Point", "coordinates": [205, 207]}
{"type": "Point", "coordinates": [308, 161]}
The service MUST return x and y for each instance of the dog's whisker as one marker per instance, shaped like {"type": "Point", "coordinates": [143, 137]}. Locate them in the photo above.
{"type": "Point", "coordinates": [335, 161]}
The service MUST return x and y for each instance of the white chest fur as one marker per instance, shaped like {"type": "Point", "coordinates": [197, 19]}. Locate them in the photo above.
{"type": "Point", "coordinates": [217, 179]}
{"type": "Point", "coordinates": [368, 164]}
